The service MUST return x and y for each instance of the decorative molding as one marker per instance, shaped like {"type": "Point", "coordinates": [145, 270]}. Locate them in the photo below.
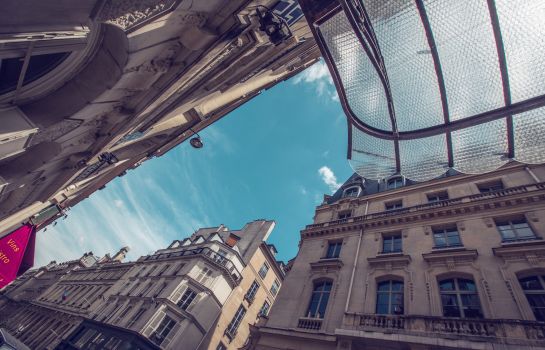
{"type": "Point", "coordinates": [451, 257]}
{"type": "Point", "coordinates": [532, 217]}
{"type": "Point", "coordinates": [326, 265]}
{"type": "Point", "coordinates": [160, 64]}
{"type": "Point", "coordinates": [390, 261]}
{"type": "Point", "coordinates": [55, 131]}
{"type": "Point", "coordinates": [489, 222]}
{"type": "Point", "coordinates": [533, 252]}
{"type": "Point", "coordinates": [129, 14]}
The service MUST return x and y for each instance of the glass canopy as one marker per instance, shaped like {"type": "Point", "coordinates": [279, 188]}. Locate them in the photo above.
{"type": "Point", "coordinates": [429, 85]}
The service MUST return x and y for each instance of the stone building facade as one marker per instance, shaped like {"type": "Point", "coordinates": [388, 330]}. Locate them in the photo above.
{"type": "Point", "coordinates": [456, 262]}
{"type": "Point", "coordinates": [91, 89]}
{"type": "Point", "coordinates": [202, 293]}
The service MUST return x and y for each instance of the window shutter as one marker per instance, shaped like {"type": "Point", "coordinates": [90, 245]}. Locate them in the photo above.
{"type": "Point", "coordinates": [178, 292]}
{"type": "Point", "coordinates": [195, 301]}
{"type": "Point", "coordinates": [154, 323]}
{"type": "Point", "coordinates": [171, 335]}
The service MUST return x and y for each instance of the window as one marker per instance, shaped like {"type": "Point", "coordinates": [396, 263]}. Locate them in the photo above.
{"type": "Point", "coordinates": [437, 197]}
{"type": "Point", "coordinates": [264, 311]}
{"type": "Point", "coordinates": [160, 290]}
{"type": "Point", "coordinates": [393, 205]}
{"type": "Point", "coordinates": [145, 289]}
{"type": "Point", "coordinates": [391, 243]}
{"type": "Point", "coordinates": [446, 237]}
{"type": "Point", "coordinates": [164, 269]}
{"type": "Point", "coordinates": [136, 317]}
{"type": "Point", "coordinates": [250, 295]}
{"type": "Point", "coordinates": [344, 214]}
{"type": "Point", "coordinates": [390, 298]}
{"type": "Point", "coordinates": [179, 268]}
{"type": "Point", "coordinates": [162, 331]}
{"type": "Point", "coordinates": [231, 330]}
{"type": "Point", "coordinates": [515, 229]}
{"type": "Point", "coordinates": [394, 183]}
{"type": "Point", "coordinates": [353, 191]}
{"type": "Point", "coordinates": [133, 288]}
{"type": "Point", "coordinates": [204, 275]}
{"type": "Point", "coordinates": [490, 186]}
{"type": "Point", "coordinates": [333, 250]}
{"type": "Point", "coordinates": [151, 270]}
{"type": "Point", "coordinates": [319, 299]}
{"type": "Point", "coordinates": [263, 270]}
{"type": "Point", "coordinates": [123, 314]}
{"type": "Point", "coordinates": [534, 289]}
{"type": "Point", "coordinates": [459, 298]}
{"type": "Point", "coordinates": [221, 346]}
{"type": "Point", "coordinates": [187, 299]}
{"type": "Point", "coordinates": [275, 287]}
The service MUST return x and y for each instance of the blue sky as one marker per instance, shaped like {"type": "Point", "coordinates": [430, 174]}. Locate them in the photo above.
{"type": "Point", "coordinates": [272, 158]}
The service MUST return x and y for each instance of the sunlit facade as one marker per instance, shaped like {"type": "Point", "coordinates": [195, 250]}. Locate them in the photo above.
{"type": "Point", "coordinates": [457, 262]}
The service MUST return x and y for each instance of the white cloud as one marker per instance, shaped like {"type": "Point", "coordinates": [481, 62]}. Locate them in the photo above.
{"type": "Point", "coordinates": [118, 203]}
{"type": "Point", "coordinates": [329, 178]}
{"type": "Point", "coordinates": [303, 190]}
{"type": "Point", "coordinates": [318, 75]}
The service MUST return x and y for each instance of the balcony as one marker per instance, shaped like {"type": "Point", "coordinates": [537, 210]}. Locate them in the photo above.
{"type": "Point", "coordinates": [489, 330]}
{"type": "Point", "coordinates": [448, 204]}
{"type": "Point", "coordinates": [309, 323]}
{"type": "Point", "coordinates": [214, 258]}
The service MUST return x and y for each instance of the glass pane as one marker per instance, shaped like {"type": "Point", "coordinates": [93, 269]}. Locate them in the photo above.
{"type": "Point", "coordinates": [409, 63]}
{"type": "Point", "coordinates": [425, 158]}
{"type": "Point", "coordinates": [382, 309]}
{"type": "Point", "coordinates": [446, 285]}
{"type": "Point", "coordinates": [453, 238]}
{"type": "Point", "coordinates": [464, 284]}
{"type": "Point", "coordinates": [323, 304]}
{"type": "Point", "coordinates": [507, 233]}
{"type": "Point", "coordinates": [467, 51]}
{"type": "Point", "coordinates": [473, 312]}
{"type": "Point", "coordinates": [397, 244]}
{"type": "Point", "coordinates": [397, 286]}
{"type": "Point", "coordinates": [440, 240]}
{"type": "Point", "coordinates": [384, 286]}
{"type": "Point", "coordinates": [529, 128]}
{"type": "Point", "coordinates": [539, 313]}
{"type": "Point", "coordinates": [522, 30]}
{"type": "Point", "coordinates": [362, 85]}
{"type": "Point", "coordinates": [371, 157]}
{"type": "Point", "coordinates": [481, 148]}
{"type": "Point", "coordinates": [383, 298]}
{"type": "Point", "coordinates": [536, 300]}
{"type": "Point", "coordinates": [530, 283]}
{"type": "Point", "coordinates": [470, 300]}
{"type": "Point", "coordinates": [525, 232]}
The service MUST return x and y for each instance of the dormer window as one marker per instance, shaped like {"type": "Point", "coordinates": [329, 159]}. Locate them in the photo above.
{"type": "Point", "coordinates": [352, 191]}
{"type": "Point", "coordinates": [395, 182]}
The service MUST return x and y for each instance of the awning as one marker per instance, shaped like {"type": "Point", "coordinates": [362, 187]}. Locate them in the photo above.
{"type": "Point", "coordinates": [16, 253]}
{"type": "Point", "coordinates": [430, 85]}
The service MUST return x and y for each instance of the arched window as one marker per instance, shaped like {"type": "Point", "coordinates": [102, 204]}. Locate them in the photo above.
{"type": "Point", "coordinates": [318, 300]}
{"type": "Point", "coordinates": [459, 298]}
{"type": "Point", "coordinates": [390, 298]}
{"type": "Point", "coordinates": [534, 289]}
{"type": "Point", "coordinates": [352, 191]}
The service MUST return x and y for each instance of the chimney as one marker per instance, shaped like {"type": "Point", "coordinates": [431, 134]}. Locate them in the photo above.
{"type": "Point", "coordinates": [121, 254]}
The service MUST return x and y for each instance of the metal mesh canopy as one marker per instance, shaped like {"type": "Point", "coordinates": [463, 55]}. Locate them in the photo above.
{"type": "Point", "coordinates": [430, 85]}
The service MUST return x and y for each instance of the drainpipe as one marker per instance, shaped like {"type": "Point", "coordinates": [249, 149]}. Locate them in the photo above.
{"type": "Point", "coordinates": [532, 174]}
{"type": "Point", "coordinates": [355, 262]}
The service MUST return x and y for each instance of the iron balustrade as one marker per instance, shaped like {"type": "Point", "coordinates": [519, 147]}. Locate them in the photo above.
{"type": "Point", "coordinates": [438, 204]}
{"type": "Point", "coordinates": [215, 258]}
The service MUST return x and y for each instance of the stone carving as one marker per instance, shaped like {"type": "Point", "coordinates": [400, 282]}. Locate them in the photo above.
{"type": "Point", "coordinates": [55, 131]}
{"type": "Point", "coordinates": [127, 14]}
{"type": "Point", "coordinates": [195, 19]}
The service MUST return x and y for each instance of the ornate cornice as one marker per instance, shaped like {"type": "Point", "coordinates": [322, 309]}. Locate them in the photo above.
{"type": "Point", "coordinates": [451, 257]}
{"type": "Point", "coordinates": [326, 265]}
{"type": "Point", "coordinates": [462, 206]}
{"type": "Point", "coordinates": [128, 14]}
{"type": "Point", "coordinates": [531, 251]}
{"type": "Point", "coordinates": [390, 261]}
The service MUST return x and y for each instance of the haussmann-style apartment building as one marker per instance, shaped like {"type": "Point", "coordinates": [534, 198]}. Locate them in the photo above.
{"type": "Point", "coordinates": [201, 293]}
{"type": "Point", "coordinates": [453, 263]}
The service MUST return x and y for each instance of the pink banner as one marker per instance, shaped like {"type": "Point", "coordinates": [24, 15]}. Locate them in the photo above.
{"type": "Point", "coordinates": [16, 253]}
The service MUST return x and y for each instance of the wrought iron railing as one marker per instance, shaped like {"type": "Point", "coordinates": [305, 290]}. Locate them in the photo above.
{"type": "Point", "coordinates": [310, 323]}
{"type": "Point", "coordinates": [438, 204]}
{"type": "Point", "coordinates": [215, 258]}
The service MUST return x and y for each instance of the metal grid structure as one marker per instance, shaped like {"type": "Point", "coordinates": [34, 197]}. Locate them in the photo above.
{"type": "Point", "coordinates": [429, 85]}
